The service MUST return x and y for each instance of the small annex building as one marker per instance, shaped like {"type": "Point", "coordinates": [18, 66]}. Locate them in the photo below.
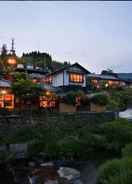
{"type": "Point", "coordinates": [69, 75]}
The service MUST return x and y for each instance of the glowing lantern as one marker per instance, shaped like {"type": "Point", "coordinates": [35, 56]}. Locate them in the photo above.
{"type": "Point", "coordinates": [11, 61]}
{"type": "Point", "coordinates": [34, 80]}
{"type": "Point", "coordinates": [48, 93]}
{"type": "Point", "coordinates": [3, 92]}
{"type": "Point", "coordinates": [106, 85]}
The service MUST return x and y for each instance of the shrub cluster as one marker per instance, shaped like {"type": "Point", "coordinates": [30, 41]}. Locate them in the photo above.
{"type": "Point", "coordinates": [118, 171]}
{"type": "Point", "coordinates": [66, 141]}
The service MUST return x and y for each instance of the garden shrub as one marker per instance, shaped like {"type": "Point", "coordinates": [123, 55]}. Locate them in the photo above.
{"type": "Point", "coordinates": [35, 148]}
{"type": "Point", "coordinates": [70, 98]}
{"type": "Point", "coordinates": [117, 171]}
{"type": "Point", "coordinates": [121, 98]}
{"type": "Point", "coordinates": [100, 99]}
{"type": "Point", "coordinates": [70, 147]}
{"type": "Point", "coordinates": [113, 104]}
{"type": "Point", "coordinates": [5, 156]}
{"type": "Point", "coordinates": [127, 150]}
{"type": "Point", "coordinates": [117, 133]}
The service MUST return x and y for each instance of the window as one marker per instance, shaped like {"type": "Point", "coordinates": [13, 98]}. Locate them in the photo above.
{"type": "Point", "coordinates": [78, 78]}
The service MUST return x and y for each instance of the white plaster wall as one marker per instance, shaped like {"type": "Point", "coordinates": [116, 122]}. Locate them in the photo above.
{"type": "Point", "coordinates": [66, 78]}
{"type": "Point", "coordinates": [57, 80]}
{"type": "Point", "coordinates": [84, 83]}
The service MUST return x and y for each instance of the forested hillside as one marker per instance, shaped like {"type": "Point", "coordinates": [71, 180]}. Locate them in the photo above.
{"type": "Point", "coordinates": [42, 60]}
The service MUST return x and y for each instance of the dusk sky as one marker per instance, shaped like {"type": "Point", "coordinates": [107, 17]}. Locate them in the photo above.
{"type": "Point", "coordinates": [98, 35]}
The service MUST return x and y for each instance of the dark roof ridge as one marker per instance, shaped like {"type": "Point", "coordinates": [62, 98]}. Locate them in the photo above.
{"type": "Point", "coordinates": [68, 66]}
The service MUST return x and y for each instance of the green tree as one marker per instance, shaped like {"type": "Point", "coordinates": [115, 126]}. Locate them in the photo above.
{"type": "Point", "coordinates": [3, 57]}
{"type": "Point", "coordinates": [37, 58]}
{"type": "Point", "coordinates": [25, 89]}
{"type": "Point", "coordinates": [4, 52]}
{"type": "Point", "coordinates": [70, 98]}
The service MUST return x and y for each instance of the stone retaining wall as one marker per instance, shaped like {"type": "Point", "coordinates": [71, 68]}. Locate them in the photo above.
{"type": "Point", "coordinates": [26, 119]}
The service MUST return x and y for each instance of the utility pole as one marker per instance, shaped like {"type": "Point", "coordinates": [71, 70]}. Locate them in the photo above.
{"type": "Point", "coordinates": [12, 46]}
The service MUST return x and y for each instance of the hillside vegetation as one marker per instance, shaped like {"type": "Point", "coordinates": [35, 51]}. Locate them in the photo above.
{"type": "Point", "coordinates": [42, 60]}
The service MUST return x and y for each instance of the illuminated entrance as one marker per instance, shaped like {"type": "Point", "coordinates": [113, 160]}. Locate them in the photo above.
{"type": "Point", "coordinates": [48, 100]}
{"type": "Point", "coordinates": [47, 103]}
{"type": "Point", "coordinates": [7, 101]}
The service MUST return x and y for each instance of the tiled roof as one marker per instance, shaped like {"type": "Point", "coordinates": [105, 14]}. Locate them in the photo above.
{"type": "Point", "coordinates": [31, 70]}
{"type": "Point", "coordinates": [102, 77]}
{"type": "Point", "coordinates": [68, 66]}
{"type": "Point", "coordinates": [56, 66]}
{"type": "Point", "coordinates": [124, 76]}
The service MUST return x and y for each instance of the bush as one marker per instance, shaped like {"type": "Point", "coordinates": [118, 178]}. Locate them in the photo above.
{"type": "Point", "coordinates": [5, 156]}
{"type": "Point", "coordinates": [70, 98]}
{"type": "Point", "coordinates": [121, 98]}
{"type": "Point", "coordinates": [67, 140]}
{"type": "Point", "coordinates": [115, 172]}
{"type": "Point", "coordinates": [127, 96]}
{"type": "Point", "coordinates": [117, 133]}
{"type": "Point", "coordinates": [70, 147]}
{"type": "Point", "coordinates": [23, 135]}
{"type": "Point", "coordinates": [35, 148]}
{"type": "Point", "coordinates": [100, 99]}
{"type": "Point", "coordinates": [127, 150]}
{"type": "Point", "coordinates": [113, 104]}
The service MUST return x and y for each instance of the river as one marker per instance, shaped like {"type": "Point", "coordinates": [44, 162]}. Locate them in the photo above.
{"type": "Point", "coordinates": [127, 114]}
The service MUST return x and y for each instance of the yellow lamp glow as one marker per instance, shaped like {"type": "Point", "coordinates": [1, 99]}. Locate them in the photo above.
{"type": "Point", "coordinates": [3, 92]}
{"type": "Point", "coordinates": [11, 61]}
{"type": "Point", "coordinates": [47, 93]}
{"type": "Point", "coordinates": [106, 85]}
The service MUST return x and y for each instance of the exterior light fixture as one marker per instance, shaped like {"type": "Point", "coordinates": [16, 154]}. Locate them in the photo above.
{"type": "Point", "coordinates": [106, 85]}
{"type": "Point", "coordinates": [47, 93]}
{"type": "Point", "coordinates": [11, 61]}
{"type": "Point", "coordinates": [34, 80]}
{"type": "Point", "coordinates": [3, 92]}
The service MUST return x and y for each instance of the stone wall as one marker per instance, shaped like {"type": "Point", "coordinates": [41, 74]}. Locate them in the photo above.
{"type": "Point", "coordinates": [43, 119]}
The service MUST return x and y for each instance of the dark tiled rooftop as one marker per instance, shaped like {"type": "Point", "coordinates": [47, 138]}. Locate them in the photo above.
{"type": "Point", "coordinates": [102, 77]}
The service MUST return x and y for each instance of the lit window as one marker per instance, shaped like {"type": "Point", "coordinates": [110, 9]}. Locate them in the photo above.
{"type": "Point", "coordinates": [7, 101]}
{"type": "Point", "coordinates": [78, 78]}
